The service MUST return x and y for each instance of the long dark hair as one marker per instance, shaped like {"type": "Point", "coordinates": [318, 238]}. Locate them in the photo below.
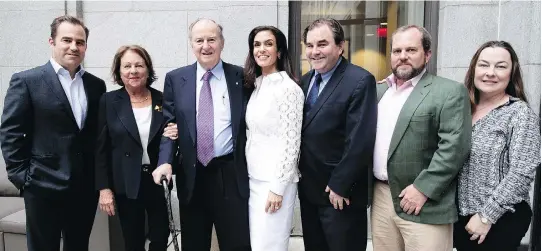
{"type": "Point", "coordinates": [252, 70]}
{"type": "Point", "coordinates": [515, 86]}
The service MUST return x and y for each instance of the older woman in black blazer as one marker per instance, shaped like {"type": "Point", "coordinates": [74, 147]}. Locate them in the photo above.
{"type": "Point", "coordinates": [130, 121]}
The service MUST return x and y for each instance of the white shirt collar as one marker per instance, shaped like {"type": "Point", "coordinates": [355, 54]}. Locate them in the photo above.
{"type": "Point", "coordinates": [391, 79]}
{"type": "Point", "coordinates": [218, 71]}
{"type": "Point", "coordinates": [57, 67]}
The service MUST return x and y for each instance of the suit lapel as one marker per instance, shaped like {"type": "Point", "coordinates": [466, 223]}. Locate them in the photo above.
{"type": "Point", "coordinates": [52, 78]}
{"type": "Point", "coordinates": [306, 81]}
{"type": "Point", "coordinates": [188, 100]}
{"type": "Point", "coordinates": [235, 92]}
{"type": "Point", "coordinates": [88, 89]}
{"type": "Point", "coordinates": [157, 118]}
{"type": "Point", "coordinates": [413, 101]}
{"type": "Point", "coordinates": [123, 107]}
{"type": "Point", "coordinates": [326, 92]}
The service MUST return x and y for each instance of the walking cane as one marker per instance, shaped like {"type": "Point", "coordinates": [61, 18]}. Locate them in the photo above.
{"type": "Point", "coordinates": [172, 230]}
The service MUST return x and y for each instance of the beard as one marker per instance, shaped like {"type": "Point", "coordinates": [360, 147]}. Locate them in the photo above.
{"type": "Point", "coordinates": [407, 74]}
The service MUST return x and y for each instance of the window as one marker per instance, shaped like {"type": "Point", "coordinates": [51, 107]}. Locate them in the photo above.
{"type": "Point", "coordinates": [367, 25]}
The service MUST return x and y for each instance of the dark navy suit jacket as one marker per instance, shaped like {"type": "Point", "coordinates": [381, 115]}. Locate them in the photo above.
{"type": "Point", "coordinates": [42, 144]}
{"type": "Point", "coordinates": [338, 136]}
{"type": "Point", "coordinates": [180, 107]}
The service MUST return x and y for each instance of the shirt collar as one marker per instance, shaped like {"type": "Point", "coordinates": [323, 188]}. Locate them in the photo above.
{"type": "Point", "coordinates": [218, 71]}
{"type": "Point", "coordinates": [57, 67]}
{"type": "Point", "coordinates": [511, 100]}
{"type": "Point", "coordinates": [326, 76]}
{"type": "Point", "coordinates": [391, 79]}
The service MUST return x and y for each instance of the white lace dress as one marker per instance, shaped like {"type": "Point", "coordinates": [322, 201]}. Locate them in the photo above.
{"type": "Point", "coordinates": [274, 118]}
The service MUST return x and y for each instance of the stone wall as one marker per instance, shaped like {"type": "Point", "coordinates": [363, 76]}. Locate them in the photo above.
{"type": "Point", "coordinates": [465, 25]}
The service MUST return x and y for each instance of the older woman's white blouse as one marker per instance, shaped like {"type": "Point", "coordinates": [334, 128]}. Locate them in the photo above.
{"type": "Point", "coordinates": [274, 118]}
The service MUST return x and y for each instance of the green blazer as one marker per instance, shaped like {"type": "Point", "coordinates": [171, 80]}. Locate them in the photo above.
{"type": "Point", "coordinates": [430, 142]}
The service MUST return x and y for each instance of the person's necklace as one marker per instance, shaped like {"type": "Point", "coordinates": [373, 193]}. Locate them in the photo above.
{"type": "Point", "coordinates": [140, 101]}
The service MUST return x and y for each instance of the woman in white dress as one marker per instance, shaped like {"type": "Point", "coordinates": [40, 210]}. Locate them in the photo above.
{"type": "Point", "coordinates": [273, 118]}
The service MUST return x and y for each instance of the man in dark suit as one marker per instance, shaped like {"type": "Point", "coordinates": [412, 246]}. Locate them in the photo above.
{"type": "Point", "coordinates": [207, 102]}
{"type": "Point", "coordinates": [47, 136]}
{"type": "Point", "coordinates": [337, 141]}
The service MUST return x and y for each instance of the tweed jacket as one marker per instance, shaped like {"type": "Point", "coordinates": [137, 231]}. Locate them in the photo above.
{"type": "Point", "coordinates": [429, 145]}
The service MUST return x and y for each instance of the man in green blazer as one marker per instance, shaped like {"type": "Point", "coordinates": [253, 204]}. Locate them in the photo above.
{"type": "Point", "coordinates": [423, 138]}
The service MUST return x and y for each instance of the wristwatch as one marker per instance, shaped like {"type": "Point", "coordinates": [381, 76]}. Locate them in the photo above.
{"type": "Point", "coordinates": [484, 219]}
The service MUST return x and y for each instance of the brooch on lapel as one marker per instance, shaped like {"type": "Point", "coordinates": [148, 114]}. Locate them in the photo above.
{"type": "Point", "coordinates": [158, 108]}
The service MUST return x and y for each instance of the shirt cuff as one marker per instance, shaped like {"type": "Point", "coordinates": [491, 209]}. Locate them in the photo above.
{"type": "Point", "coordinates": [278, 187]}
{"type": "Point", "coordinates": [492, 211]}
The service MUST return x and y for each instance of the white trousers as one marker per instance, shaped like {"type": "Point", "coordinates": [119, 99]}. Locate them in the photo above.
{"type": "Point", "coordinates": [270, 232]}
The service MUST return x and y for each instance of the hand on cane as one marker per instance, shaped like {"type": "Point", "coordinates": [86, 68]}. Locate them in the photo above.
{"type": "Point", "coordinates": [163, 170]}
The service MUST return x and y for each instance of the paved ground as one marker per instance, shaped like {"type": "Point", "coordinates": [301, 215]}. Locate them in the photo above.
{"type": "Point", "coordinates": [296, 244]}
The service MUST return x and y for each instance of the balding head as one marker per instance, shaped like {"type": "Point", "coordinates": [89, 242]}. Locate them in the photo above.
{"type": "Point", "coordinates": [205, 22]}
{"type": "Point", "coordinates": [207, 42]}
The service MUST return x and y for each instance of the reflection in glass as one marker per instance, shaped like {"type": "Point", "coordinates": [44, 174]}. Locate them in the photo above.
{"type": "Point", "coordinates": [367, 25]}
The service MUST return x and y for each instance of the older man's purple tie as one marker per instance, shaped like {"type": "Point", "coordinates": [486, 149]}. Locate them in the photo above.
{"type": "Point", "coordinates": [205, 123]}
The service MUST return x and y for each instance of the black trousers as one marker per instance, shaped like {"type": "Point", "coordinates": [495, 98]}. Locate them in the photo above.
{"type": "Point", "coordinates": [505, 235]}
{"type": "Point", "coordinates": [328, 229]}
{"type": "Point", "coordinates": [48, 217]}
{"type": "Point", "coordinates": [215, 200]}
{"type": "Point", "coordinates": [151, 199]}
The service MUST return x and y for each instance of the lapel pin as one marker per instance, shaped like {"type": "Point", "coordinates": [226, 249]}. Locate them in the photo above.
{"type": "Point", "coordinates": [236, 83]}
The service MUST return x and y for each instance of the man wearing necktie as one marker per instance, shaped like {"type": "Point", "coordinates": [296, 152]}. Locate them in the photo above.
{"type": "Point", "coordinates": [206, 100]}
{"type": "Point", "coordinates": [337, 140]}
{"type": "Point", "coordinates": [48, 132]}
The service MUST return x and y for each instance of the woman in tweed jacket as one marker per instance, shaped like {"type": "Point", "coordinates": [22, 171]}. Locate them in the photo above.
{"type": "Point", "coordinates": [494, 184]}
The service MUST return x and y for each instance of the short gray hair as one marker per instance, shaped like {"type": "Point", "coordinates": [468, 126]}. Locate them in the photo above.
{"type": "Point", "coordinates": [207, 19]}
{"type": "Point", "coordinates": [426, 37]}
